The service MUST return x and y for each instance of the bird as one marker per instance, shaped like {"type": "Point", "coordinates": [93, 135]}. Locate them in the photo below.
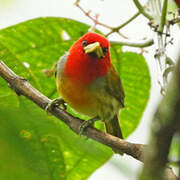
{"type": "Point", "coordinates": [88, 82]}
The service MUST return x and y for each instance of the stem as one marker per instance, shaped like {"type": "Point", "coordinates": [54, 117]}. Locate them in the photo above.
{"type": "Point", "coordinates": [141, 9]}
{"type": "Point", "coordinates": [128, 21]}
{"type": "Point", "coordinates": [146, 43]}
{"type": "Point", "coordinates": [116, 29]}
{"type": "Point", "coordinates": [163, 16]}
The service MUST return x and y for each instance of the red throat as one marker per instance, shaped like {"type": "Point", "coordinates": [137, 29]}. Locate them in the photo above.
{"type": "Point", "coordinates": [84, 68]}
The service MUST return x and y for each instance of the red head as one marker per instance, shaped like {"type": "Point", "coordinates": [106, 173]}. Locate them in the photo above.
{"type": "Point", "coordinates": [89, 58]}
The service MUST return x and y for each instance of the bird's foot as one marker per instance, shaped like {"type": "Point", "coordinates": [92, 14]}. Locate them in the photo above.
{"type": "Point", "coordinates": [88, 123]}
{"type": "Point", "coordinates": [55, 103]}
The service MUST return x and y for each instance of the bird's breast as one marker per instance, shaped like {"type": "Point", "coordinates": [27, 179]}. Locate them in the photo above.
{"type": "Point", "coordinates": [91, 101]}
{"type": "Point", "coordinates": [77, 95]}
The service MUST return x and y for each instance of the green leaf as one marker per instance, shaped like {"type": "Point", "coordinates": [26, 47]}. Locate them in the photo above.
{"type": "Point", "coordinates": [35, 146]}
{"type": "Point", "coordinates": [172, 8]}
{"type": "Point", "coordinates": [135, 77]}
{"type": "Point", "coordinates": [174, 153]}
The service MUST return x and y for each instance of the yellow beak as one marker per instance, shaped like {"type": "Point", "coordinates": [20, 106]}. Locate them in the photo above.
{"type": "Point", "coordinates": [94, 48]}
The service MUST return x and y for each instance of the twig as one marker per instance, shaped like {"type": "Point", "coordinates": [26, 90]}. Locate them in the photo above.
{"type": "Point", "coordinates": [116, 29]}
{"type": "Point", "coordinates": [128, 21]}
{"type": "Point", "coordinates": [23, 87]}
{"type": "Point", "coordinates": [141, 9]}
{"type": "Point", "coordinates": [112, 29]}
{"type": "Point", "coordinates": [87, 13]}
{"type": "Point", "coordinates": [145, 43]}
{"type": "Point", "coordinates": [162, 32]}
{"type": "Point", "coordinates": [96, 22]}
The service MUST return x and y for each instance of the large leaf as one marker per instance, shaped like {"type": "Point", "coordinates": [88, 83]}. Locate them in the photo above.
{"type": "Point", "coordinates": [35, 146]}
{"type": "Point", "coordinates": [135, 77]}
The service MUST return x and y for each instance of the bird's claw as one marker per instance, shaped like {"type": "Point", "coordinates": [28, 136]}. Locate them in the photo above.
{"type": "Point", "coordinates": [55, 103]}
{"type": "Point", "coordinates": [88, 123]}
{"type": "Point", "coordinates": [84, 125]}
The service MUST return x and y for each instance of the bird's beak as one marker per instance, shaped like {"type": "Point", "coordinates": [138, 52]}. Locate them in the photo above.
{"type": "Point", "coordinates": [94, 48]}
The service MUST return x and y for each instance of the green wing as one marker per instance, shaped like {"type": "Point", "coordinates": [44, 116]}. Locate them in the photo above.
{"type": "Point", "coordinates": [114, 85]}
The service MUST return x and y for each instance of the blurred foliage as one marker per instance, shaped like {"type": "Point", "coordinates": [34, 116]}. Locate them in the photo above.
{"type": "Point", "coordinates": [34, 145]}
{"type": "Point", "coordinates": [175, 150]}
{"type": "Point", "coordinates": [172, 6]}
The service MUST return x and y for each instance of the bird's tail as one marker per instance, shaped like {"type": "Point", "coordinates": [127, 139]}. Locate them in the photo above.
{"type": "Point", "coordinates": [113, 127]}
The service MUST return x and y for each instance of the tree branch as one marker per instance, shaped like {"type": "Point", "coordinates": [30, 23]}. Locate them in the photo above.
{"type": "Point", "coordinates": [165, 124]}
{"type": "Point", "coordinates": [23, 87]}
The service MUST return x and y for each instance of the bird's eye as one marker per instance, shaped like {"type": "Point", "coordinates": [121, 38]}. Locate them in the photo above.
{"type": "Point", "coordinates": [105, 50]}
{"type": "Point", "coordinates": [84, 43]}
